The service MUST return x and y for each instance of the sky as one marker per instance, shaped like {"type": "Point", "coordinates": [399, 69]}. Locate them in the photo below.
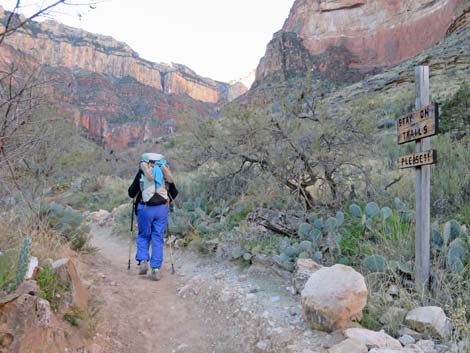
{"type": "Point", "coordinates": [220, 39]}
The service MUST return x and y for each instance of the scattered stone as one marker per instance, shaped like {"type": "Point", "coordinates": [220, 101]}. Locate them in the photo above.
{"type": "Point", "coordinates": [250, 296]}
{"type": "Point", "coordinates": [275, 299]}
{"type": "Point", "coordinates": [192, 287]}
{"type": "Point", "coordinates": [212, 245]}
{"type": "Point", "coordinates": [100, 216]}
{"type": "Point", "coordinates": [373, 339]}
{"type": "Point", "coordinates": [393, 315]}
{"type": "Point", "coordinates": [219, 275]}
{"type": "Point", "coordinates": [179, 244]}
{"type": "Point", "coordinates": [182, 346]}
{"type": "Point", "coordinates": [427, 346]}
{"type": "Point", "coordinates": [406, 339]}
{"type": "Point", "coordinates": [392, 350]}
{"type": "Point", "coordinates": [281, 272]}
{"type": "Point", "coordinates": [262, 260]}
{"type": "Point", "coordinates": [441, 347]}
{"type": "Point", "coordinates": [349, 345]}
{"type": "Point", "coordinates": [407, 331]}
{"type": "Point", "coordinates": [263, 346]}
{"type": "Point", "coordinates": [33, 268]}
{"type": "Point", "coordinates": [429, 319]}
{"type": "Point", "coordinates": [333, 297]}
{"type": "Point", "coordinates": [304, 268]}
{"type": "Point", "coordinates": [242, 278]}
{"type": "Point", "coordinates": [94, 348]}
{"type": "Point", "coordinates": [393, 291]}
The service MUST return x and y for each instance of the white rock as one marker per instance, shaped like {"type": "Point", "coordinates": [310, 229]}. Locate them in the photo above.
{"type": "Point", "coordinates": [99, 216]}
{"type": "Point", "coordinates": [406, 339]}
{"type": "Point", "coordinates": [427, 346]}
{"type": "Point", "coordinates": [392, 350]}
{"type": "Point", "coordinates": [429, 319]}
{"type": "Point", "coordinates": [333, 297]}
{"type": "Point", "coordinates": [349, 345]}
{"type": "Point", "coordinates": [263, 346]}
{"type": "Point", "coordinates": [304, 268]}
{"type": "Point", "coordinates": [373, 339]}
{"type": "Point", "coordinates": [33, 268]}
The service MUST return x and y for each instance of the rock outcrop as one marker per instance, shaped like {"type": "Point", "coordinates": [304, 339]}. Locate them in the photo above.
{"type": "Point", "coordinates": [57, 45]}
{"type": "Point", "coordinates": [106, 88]}
{"type": "Point", "coordinates": [345, 39]}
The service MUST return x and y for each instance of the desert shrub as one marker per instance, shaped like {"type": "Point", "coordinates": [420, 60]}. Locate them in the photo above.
{"type": "Point", "coordinates": [455, 116]}
{"type": "Point", "coordinates": [8, 266]}
{"type": "Point", "coordinates": [97, 192]}
{"type": "Point", "coordinates": [51, 288]}
{"type": "Point", "coordinates": [67, 223]}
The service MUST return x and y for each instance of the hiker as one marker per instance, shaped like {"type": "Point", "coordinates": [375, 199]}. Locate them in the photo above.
{"type": "Point", "coordinates": [152, 199]}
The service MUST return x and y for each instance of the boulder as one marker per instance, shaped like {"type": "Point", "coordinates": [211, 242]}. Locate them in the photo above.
{"type": "Point", "coordinates": [373, 339]}
{"type": "Point", "coordinates": [304, 268]}
{"type": "Point", "coordinates": [349, 345]}
{"type": "Point", "coordinates": [333, 297]}
{"type": "Point", "coordinates": [429, 319]}
{"type": "Point", "coordinates": [67, 273]}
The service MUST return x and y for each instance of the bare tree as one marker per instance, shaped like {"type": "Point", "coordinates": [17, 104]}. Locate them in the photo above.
{"type": "Point", "coordinates": [14, 21]}
{"type": "Point", "coordinates": [25, 121]}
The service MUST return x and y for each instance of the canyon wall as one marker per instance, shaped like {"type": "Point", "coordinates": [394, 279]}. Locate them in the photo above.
{"type": "Point", "coordinates": [119, 98]}
{"type": "Point", "coordinates": [345, 39]}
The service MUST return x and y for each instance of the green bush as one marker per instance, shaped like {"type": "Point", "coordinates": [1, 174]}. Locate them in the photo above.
{"type": "Point", "coordinates": [50, 286]}
{"type": "Point", "coordinates": [67, 223]}
{"type": "Point", "coordinates": [8, 269]}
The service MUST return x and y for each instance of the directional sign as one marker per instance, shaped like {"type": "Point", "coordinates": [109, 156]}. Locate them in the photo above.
{"type": "Point", "coordinates": [419, 124]}
{"type": "Point", "coordinates": [417, 159]}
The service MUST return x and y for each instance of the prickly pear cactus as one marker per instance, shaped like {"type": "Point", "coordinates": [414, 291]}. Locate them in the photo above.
{"type": "Point", "coordinates": [375, 263]}
{"type": "Point", "coordinates": [355, 210]}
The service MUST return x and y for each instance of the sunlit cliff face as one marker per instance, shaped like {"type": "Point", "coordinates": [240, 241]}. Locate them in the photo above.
{"type": "Point", "coordinates": [369, 33]}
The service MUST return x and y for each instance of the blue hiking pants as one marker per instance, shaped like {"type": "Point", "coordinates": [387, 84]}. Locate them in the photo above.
{"type": "Point", "coordinates": [151, 221]}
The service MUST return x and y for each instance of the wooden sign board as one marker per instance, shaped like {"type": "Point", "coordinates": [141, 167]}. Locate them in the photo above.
{"type": "Point", "coordinates": [419, 124]}
{"type": "Point", "coordinates": [417, 159]}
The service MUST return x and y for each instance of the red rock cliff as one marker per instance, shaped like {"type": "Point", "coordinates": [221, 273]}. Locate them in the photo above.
{"type": "Point", "coordinates": [57, 45]}
{"type": "Point", "coordinates": [356, 34]}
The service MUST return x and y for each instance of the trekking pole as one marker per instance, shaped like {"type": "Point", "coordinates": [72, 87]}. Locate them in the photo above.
{"type": "Point", "coordinates": [132, 234]}
{"type": "Point", "coordinates": [171, 249]}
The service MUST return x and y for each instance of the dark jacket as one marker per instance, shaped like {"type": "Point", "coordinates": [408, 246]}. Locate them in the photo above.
{"type": "Point", "coordinates": [134, 192]}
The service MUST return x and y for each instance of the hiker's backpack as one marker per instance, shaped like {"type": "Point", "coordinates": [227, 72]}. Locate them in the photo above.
{"type": "Point", "coordinates": [155, 173]}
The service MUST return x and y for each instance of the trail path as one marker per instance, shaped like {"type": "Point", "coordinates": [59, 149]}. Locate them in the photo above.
{"type": "Point", "coordinates": [139, 315]}
{"type": "Point", "coordinates": [208, 306]}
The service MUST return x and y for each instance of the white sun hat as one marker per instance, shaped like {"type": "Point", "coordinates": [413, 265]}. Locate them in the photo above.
{"type": "Point", "coordinates": [147, 157]}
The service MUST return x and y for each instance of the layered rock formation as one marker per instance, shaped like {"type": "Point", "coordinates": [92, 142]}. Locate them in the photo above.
{"type": "Point", "coordinates": [57, 45]}
{"type": "Point", "coordinates": [118, 97]}
{"type": "Point", "coordinates": [344, 39]}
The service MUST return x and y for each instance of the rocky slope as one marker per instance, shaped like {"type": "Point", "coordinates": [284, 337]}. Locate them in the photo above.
{"type": "Point", "coordinates": [346, 39]}
{"type": "Point", "coordinates": [118, 97]}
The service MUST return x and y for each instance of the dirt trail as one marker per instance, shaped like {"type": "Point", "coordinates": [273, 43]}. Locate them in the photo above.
{"type": "Point", "coordinates": [139, 315]}
{"type": "Point", "coordinates": [208, 306]}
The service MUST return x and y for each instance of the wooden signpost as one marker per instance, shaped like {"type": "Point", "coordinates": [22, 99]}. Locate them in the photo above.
{"type": "Point", "coordinates": [419, 126]}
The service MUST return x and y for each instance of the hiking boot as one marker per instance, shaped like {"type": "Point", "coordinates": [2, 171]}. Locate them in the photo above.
{"type": "Point", "coordinates": [143, 267]}
{"type": "Point", "coordinates": [155, 275]}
